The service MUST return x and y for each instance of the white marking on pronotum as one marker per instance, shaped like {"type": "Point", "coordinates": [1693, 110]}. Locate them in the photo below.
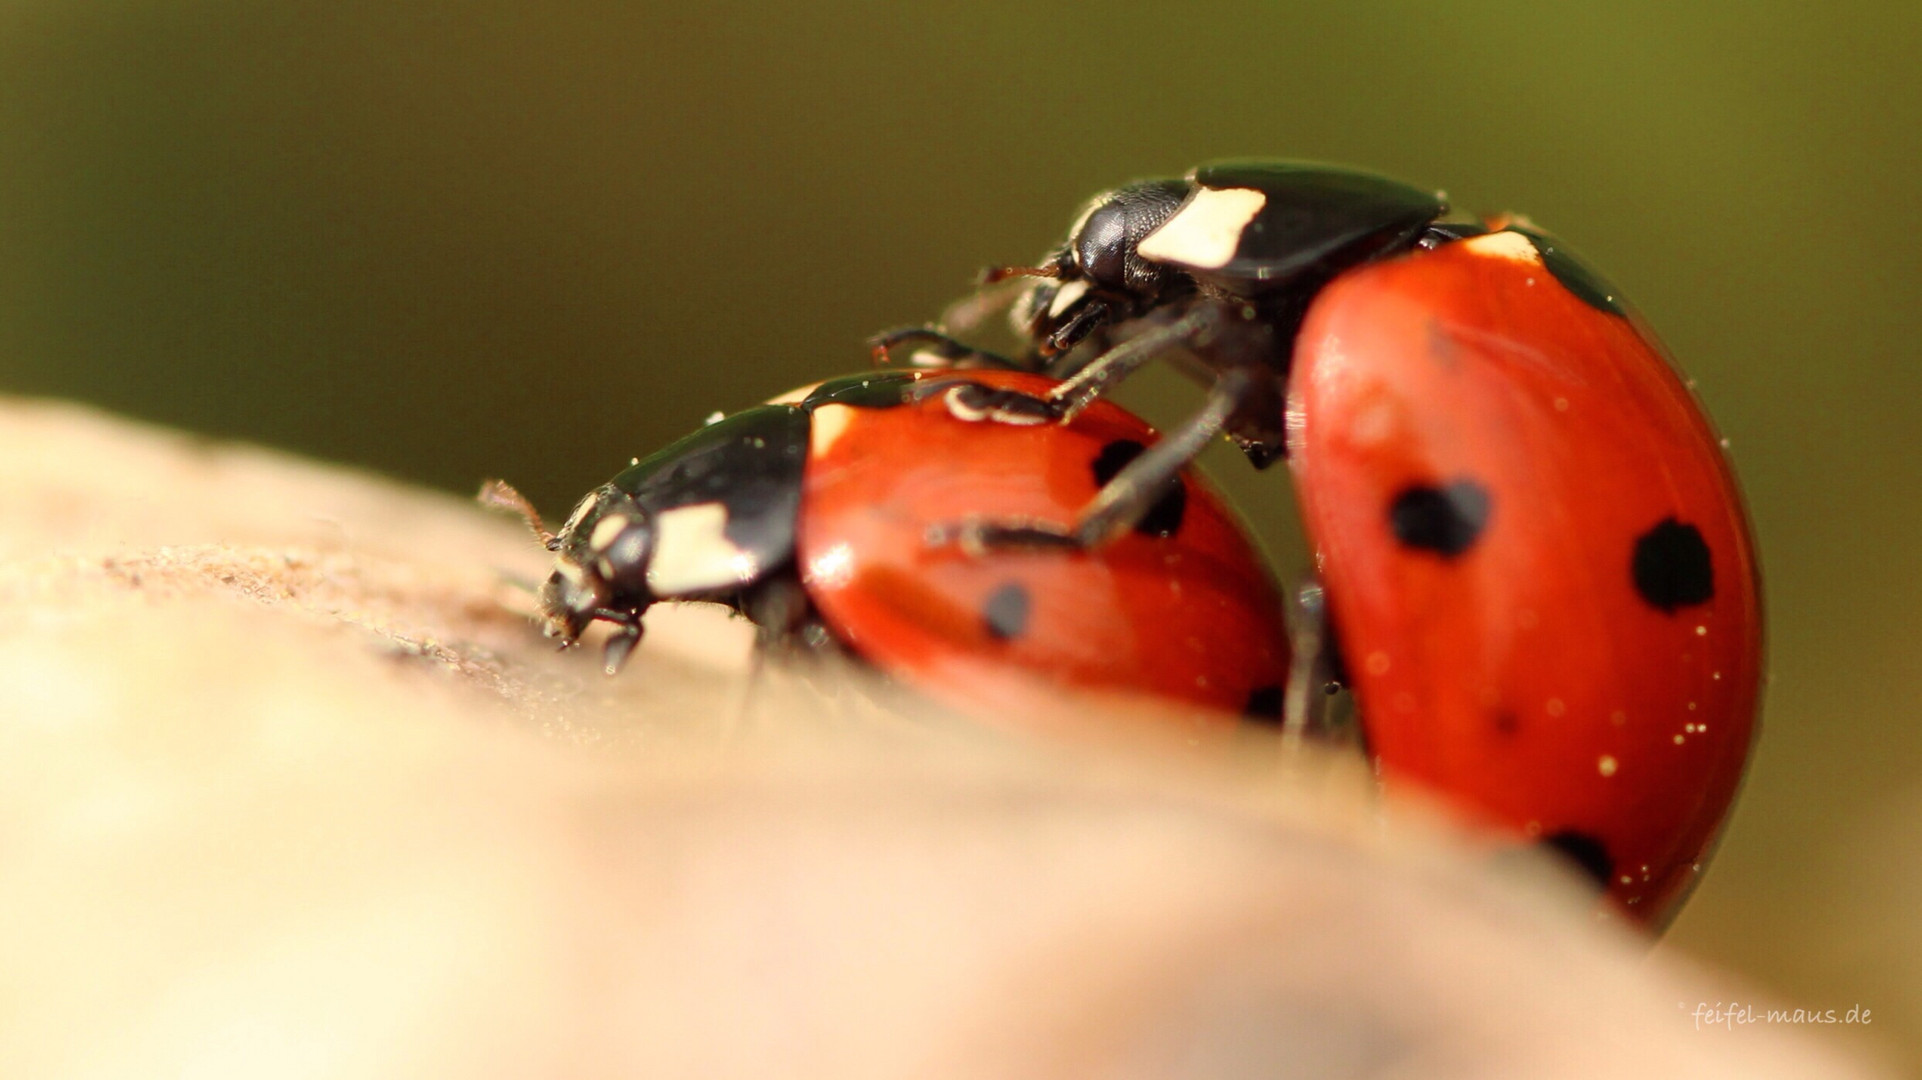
{"type": "Point", "coordinates": [580, 511]}
{"type": "Point", "coordinates": [605, 532]}
{"type": "Point", "coordinates": [692, 552]}
{"type": "Point", "coordinates": [1205, 232]}
{"type": "Point", "coordinates": [1067, 295]}
{"type": "Point", "coordinates": [826, 426]}
{"type": "Point", "coordinates": [1512, 246]}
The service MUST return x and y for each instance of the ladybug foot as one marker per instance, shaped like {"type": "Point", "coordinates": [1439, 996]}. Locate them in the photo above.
{"type": "Point", "coordinates": [620, 645]}
{"type": "Point", "coordinates": [976, 402]}
{"type": "Point", "coordinates": [1309, 706]}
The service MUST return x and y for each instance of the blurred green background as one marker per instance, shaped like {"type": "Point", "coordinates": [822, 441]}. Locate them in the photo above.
{"type": "Point", "coordinates": [449, 241]}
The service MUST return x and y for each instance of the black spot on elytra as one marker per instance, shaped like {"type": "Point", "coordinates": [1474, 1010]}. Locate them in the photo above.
{"type": "Point", "coordinates": [1006, 612]}
{"type": "Point", "coordinates": [1671, 566]}
{"type": "Point", "coordinates": [1586, 852]}
{"type": "Point", "coordinates": [1163, 519]}
{"type": "Point", "coordinates": [1113, 458]}
{"type": "Point", "coordinates": [1507, 722]}
{"type": "Point", "coordinates": [1445, 520]}
{"type": "Point", "coordinates": [1575, 275]}
{"type": "Point", "coordinates": [1264, 705]}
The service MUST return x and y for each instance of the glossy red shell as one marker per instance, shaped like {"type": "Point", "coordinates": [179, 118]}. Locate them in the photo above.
{"type": "Point", "coordinates": [1194, 618]}
{"type": "Point", "coordinates": [1526, 675]}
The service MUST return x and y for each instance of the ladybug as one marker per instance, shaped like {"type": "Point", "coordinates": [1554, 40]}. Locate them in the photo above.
{"type": "Point", "coordinates": [810, 515]}
{"type": "Point", "coordinates": [1536, 558]}
{"type": "Point", "coordinates": [1540, 579]}
{"type": "Point", "coordinates": [1219, 266]}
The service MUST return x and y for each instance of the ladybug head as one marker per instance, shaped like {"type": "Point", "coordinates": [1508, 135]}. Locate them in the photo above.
{"type": "Point", "coordinates": [600, 564]}
{"type": "Point", "coordinates": [1098, 276]}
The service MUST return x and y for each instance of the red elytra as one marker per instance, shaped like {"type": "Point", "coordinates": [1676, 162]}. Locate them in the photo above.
{"type": "Point", "coordinates": [1194, 616]}
{"type": "Point", "coordinates": [1540, 573]}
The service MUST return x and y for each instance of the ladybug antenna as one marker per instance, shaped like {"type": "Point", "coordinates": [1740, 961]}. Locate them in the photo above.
{"type": "Point", "coordinates": [995, 274]}
{"type": "Point", "coordinates": [501, 495]}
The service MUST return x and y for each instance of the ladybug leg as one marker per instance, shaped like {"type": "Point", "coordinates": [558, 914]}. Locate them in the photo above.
{"type": "Point", "coordinates": [1304, 710]}
{"type": "Point", "coordinates": [627, 634]}
{"type": "Point", "coordinates": [975, 402]}
{"type": "Point", "coordinates": [781, 612]}
{"type": "Point", "coordinates": [938, 350]}
{"type": "Point", "coordinates": [1315, 675]}
{"type": "Point", "coordinates": [1106, 371]}
{"type": "Point", "coordinates": [777, 608]}
{"type": "Point", "coordinates": [1126, 498]}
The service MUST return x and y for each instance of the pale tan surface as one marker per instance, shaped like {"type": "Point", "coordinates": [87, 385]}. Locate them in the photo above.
{"type": "Point", "coordinates": [285, 790]}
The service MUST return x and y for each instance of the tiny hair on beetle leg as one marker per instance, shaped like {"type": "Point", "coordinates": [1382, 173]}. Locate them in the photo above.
{"type": "Point", "coordinates": [501, 495]}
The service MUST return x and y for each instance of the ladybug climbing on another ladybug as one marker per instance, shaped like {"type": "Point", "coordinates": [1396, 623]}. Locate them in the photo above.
{"type": "Point", "coordinates": [1219, 267]}
{"type": "Point", "coordinates": [810, 515]}
{"type": "Point", "coordinates": [1537, 566]}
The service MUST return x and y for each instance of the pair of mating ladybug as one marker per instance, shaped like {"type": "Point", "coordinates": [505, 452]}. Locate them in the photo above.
{"type": "Point", "coordinates": [1538, 572]}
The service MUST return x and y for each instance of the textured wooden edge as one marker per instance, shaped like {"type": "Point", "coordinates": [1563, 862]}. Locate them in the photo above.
{"type": "Point", "coordinates": [288, 786]}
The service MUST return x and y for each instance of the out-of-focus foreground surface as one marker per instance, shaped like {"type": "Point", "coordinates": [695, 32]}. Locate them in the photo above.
{"type": "Point", "coordinates": [452, 241]}
{"type": "Point", "coordinates": [292, 794]}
